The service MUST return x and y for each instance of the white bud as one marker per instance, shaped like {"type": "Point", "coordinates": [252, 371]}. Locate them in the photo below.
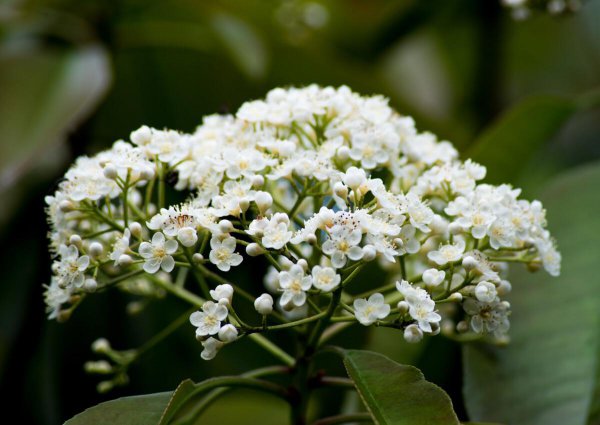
{"type": "Point", "coordinates": [355, 177]}
{"type": "Point", "coordinates": [433, 277]}
{"type": "Point", "coordinates": [456, 297]}
{"type": "Point", "coordinates": [224, 291]}
{"type": "Point", "coordinates": [311, 239]}
{"type": "Point", "coordinates": [187, 236]}
{"type": "Point", "coordinates": [125, 260]}
{"type": "Point", "coordinates": [225, 226]}
{"type": "Point", "coordinates": [454, 228]}
{"type": "Point", "coordinates": [343, 153]}
{"type": "Point", "coordinates": [403, 307]}
{"type": "Point", "coordinates": [104, 386]}
{"type": "Point", "coordinates": [412, 334]}
{"type": "Point", "coordinates": [142, 136]}
{"type": "Point", "coordinates": [469, 263]}
{"type": "Point", "coordinates": [244, 204]}
{"type": "Point", "coordinates": [264, 304]}
{"type": "Point", "coordinates": [258, 181]}
{"type": "Point", "coordinates": [462, 326]}
{"type": "Point", "coordinates": [136, 229]}
{"type": "Point", "coordinates": [504, 288]}
{"type": "Point", "coordinates": [303, 263]}
{"type": "Point", "coordinates": [254, 249]}
{"type": "Point", "coordinates": [101, 346]}
{"type": "Point", "coordinates": [435, 328]}
{"type": "Point", "coordinates": [75, 240]}
{"type": "Point", "coordinates": [439, 224]}
{"type": "Point", "coordinates": [263, 200]}
{"type": "Point", "coordinates": [228, 333]}
{"type": "Point", "coordinates": [90, 285]}
{"type": "Point", "coordinates": [95, 249]}
{"type": "Point", "coordinates": [147, 174]}
{"type": "Point", "coordinates": [341, 190]}
{"type": "Point", "coordinates": [369, 253]}
{"type": "Point", "coordinates": [110, 172]}
{"type": "Point", "coordinates": [66, 206]}
{"type": "Point", "coordinates": [100, 367]}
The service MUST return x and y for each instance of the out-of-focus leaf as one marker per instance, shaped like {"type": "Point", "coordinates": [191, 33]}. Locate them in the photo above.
{"type": "Point", "coordinates": [243, 44]}
{"type": "Point", "coordinates": [518, 134]}
{"type": "Point", "coordinates": [547, 374]}
{"type": "Point", "coordinates": [397, 394]}
{"type": "Point", "coordinates": [44, 94]}
{"type": "Point", "coordinates": [180, 396]}
{"type": "Point", "coordinates": [137, 410]}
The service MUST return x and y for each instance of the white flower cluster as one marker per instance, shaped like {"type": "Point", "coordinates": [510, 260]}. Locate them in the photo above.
{"type": "Point", "coordinates": [521, 9]}
{"type": "Point", "coordinates": [322, 184]}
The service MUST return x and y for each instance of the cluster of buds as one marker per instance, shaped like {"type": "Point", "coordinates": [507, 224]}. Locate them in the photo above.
{"type": "Point", "coordinates": [321, 184]}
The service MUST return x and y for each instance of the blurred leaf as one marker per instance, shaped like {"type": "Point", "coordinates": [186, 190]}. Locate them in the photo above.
{"type": "Point", "coordinates": [397, 394]}
{"type": "Point", "coordinates": [518, 134]}
{"type": "Point", "coordinates": [243, 44]}
{"type": "Point", "coordinates": [44, 95]}
{"type": "Point", "coordinates": [136, 410]}
{"type": "Point", "coordinates": [546, 375]}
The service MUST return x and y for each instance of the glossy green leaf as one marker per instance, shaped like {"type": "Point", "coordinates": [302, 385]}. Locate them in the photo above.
{"type": "Point", "coordinates": [397, 394]}
{"type": "Point", "coordinates": [179, 397]}
{"type": "Point", "coordinates": [547, 374]}
{"type": "Point", "coordinates": [517, 135]}
{"type": "Point", "coordinates": [242, 43]}
{"type": "Point", "coordinates": [137, 410]}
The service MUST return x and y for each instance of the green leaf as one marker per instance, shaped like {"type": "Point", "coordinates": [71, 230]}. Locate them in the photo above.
{"type": "Point", "coordinates": [518, 134]}
{"type": "Point", "coordinates": [137, 410]}
{"type": "Point", "coordinates": [397, 394]}
{"type": "Point", "coordinates": [242, 43]}
{"type": "Point", "coordinates": [180, 396]}
{"type": "Point", "coordinates": [547, 374]}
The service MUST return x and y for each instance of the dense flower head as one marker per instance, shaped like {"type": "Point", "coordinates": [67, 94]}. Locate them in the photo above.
{"type": "Point", "coordinates": [316, 183]}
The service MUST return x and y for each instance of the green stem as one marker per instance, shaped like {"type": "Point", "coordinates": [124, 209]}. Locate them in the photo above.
{"type": "Point", "coordinates": [172, 327]}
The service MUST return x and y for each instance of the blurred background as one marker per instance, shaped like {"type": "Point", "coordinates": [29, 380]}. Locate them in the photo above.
{"type": "Point", "coordinates": [76, 75]}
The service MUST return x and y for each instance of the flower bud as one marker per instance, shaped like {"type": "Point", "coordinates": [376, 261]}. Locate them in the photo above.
{"type": "Point", "coordinates": [264, 304]}
{"type": "Point", "coordinates": [75, 240]}
{"type": "Point", "coordinates": [187, 236]}
{"type": "Point", "coordinates": [341, 190]}
{"type": "Point", "coordinates": [412, 334]}
{"type": "Point", "coordinates": [454, 228]}
{"type": "Point", "coordinates": [343, 153]}
{"type": "Point", "coordinates": [244, 204]}
{"type": "Point", "coordinates": [101, 346]}
{"type": "Point", "coordinates": [90, 285]}
{"type": "Point", "coordinates": [125, 260]}
{"type": "Point", "coordinates": [254, 249]}
{"type": "Point", "coordinates": [95, 249]}
{"type": "Point", "coordinates": [303, 263]}
{"type": "Point", "coordinates": [147, 174]}
{"type": "Point", "coordinates": [311, 239]}
{"type": "Point", "coordinates": [503, 288]}
{"type": "Point", "coordinates": [403, 308]}
{"type": "Point", "coordinates": [485, 292]}
{"type": "Point", "coordinates": [456, 297]}
{"type": "Point", "coordinates": [369, 253]}
{"type": "Point", "coordinates": [66, 206]}
{"type": "Point", "coordinates": [355, 177]}
{"type": "Point", "coordinates": [469, 262]}
{"type": "Point", "coordinates": [228, 333]}
{"type": "Point", "coordinates": [197, 257]}
{"type": "Point", "coordinates": [225, 226]}
{"type": "Point", "coordinates": [100, 367]}
{"type": "Point", "coordinates": [104, 386]}
{"type": "Point", "coordinates": [263, 200]}
{"type": "Point", "coordinates": [110, 172]}
{"type": "Point", "coordinates": [462, 326]}
{"type": "Point", "coordinates": [258, 181]}
{"type": "Point", "coordinates": [136, 229]}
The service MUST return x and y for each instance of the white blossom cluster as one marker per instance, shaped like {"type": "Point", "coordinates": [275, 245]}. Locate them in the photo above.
{"type": "Point", "coordinates": [522, 9]}
{"type": "Point", "coordinates": [323, 185]}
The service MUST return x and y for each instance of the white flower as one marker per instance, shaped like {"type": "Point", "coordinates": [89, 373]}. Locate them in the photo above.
{"type": "Point", "coordinates": [485, 292]}
{"type": "Point", "coordinates": [354, 177]}
{"type": "Point", "coordinates": [54, 297]}
{"type": "Point", "coordinates": [179, 221]}
{"type": "Point", "coordinates": [433, 277]}
{"type": "Point", "coordinates": [369, 311]}
{"type": "Point", "coordinates": [264, 304]}
{"type": "Point", "coordinates": [294, 285]}
{"type": "Point", "coordinates": [211, 348]}
{"type": "Point", "coordinates": [158, 254]}
{"type": "Point", "coordinates": [448, 253]}
{"type": "Point", "coordinates": [421, 306]}
{"type": "Point", "coordinates": [71, 267]}
{"type": "Point", "coordinates": [420, 215]}
{"type": "Point", "coordinates": [343, 244]}
{"type": "Point", "coordinates": [222, 253]}
{"type": "Point", "coordinates": [276, 234]}
{"type": "Point", "coordinates": [488, 317]}
{"type": "Point", "coordinates": [413, 334]}
{"type": "Point", "coordinates": [501, 233]}
{"type": "Point", "coordinates": [208, 321]}
{"type": "Point", "coordinates": [224, 291]}
{"type": "Point", "coordinates": [325, 278]}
